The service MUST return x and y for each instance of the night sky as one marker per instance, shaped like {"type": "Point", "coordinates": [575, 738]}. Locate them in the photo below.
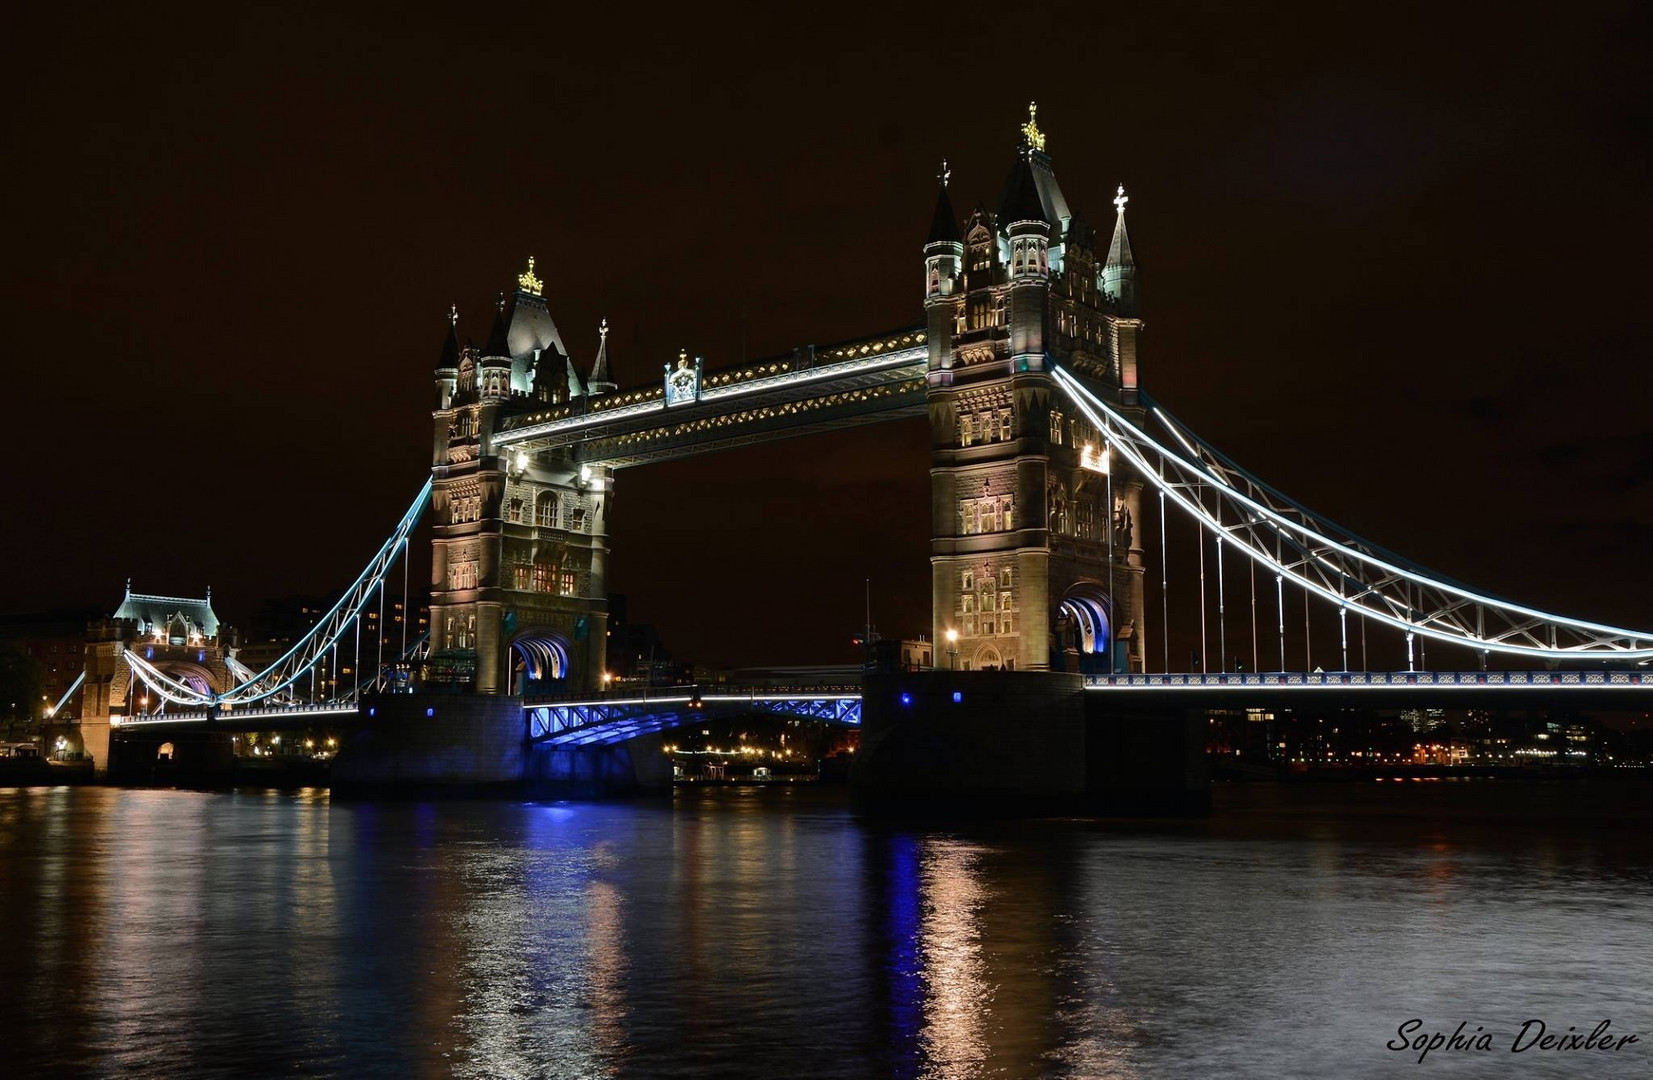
{"type": "Point", "coordinates": [1393, 261]}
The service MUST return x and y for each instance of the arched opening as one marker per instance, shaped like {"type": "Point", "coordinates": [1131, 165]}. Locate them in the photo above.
{"type": "Point", "coordinates": [197, 678]}
{"type": "Point", "coordinates": [987, 658]}
{"type": "Point", "coordinates": [539, 662]}
{"type": "Point", "coordinates": [165, 753]}
{"type": "Point", "coordinates": [1084, 630]}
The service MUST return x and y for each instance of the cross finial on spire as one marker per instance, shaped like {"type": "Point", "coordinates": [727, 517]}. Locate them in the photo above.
{"type": "Point", "coordinates": [1121, 199]}
{"type": "Point", "coordinates": [1031, 135]}
{"type": "Point", "coordinates": [603, 328]}
{"type": "Point", "coordinates": [499, 304]}
{"type": "Point", "coordinates": [453, 314]}
{"type": "Point", "coordinates": [945, 174]}
{"type": "Point", "coordinates": [527, 282]}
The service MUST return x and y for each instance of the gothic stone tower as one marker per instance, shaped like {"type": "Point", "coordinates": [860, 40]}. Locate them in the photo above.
{"type": "Point", "coordinates": [520, 548]}
{"type": "Point", "coordinates": [1025, 513]}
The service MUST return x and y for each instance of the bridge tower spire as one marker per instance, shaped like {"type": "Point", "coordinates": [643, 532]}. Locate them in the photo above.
{"type": "Point", "coordinates": [1035, 561]}
{"type": "Point", "coordinates": [601, 382]}
{"type": "Point", "coordinates": [1119, 273]}
{"type": "Point", "coordinates": [943, 270]}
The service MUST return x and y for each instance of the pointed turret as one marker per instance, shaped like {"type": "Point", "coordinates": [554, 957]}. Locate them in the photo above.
{"type": "Point", "coordinates": [494, 371]}
{"type": "Point", "coordinates": [1119, 272]}
{"type": "Point", "coordinates": [447, 367]}
{"type": "Point", "coordinates": [1019, 199]}
{"type": "Point", "coordinates": [944, 227]}
{"type": "Point", "coordinates": [943, 269]}
{"type": "Point", "coordinates": [601, 382]}
{"type": "Point", "coordinates": [498, 345]}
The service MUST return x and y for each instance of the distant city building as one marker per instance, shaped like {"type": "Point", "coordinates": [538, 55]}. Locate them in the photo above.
{"type": "Point", "coordinates": [56, 640]}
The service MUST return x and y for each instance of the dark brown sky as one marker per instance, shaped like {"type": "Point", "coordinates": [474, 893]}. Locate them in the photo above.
{"type": "Point", "coordinates": [1395, 261]}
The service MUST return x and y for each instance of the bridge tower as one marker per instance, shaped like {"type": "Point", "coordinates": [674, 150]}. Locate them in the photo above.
{"type": "Point", "coordinates": [1035, 554]}
{"type": "Point", "coordinates": [520, 546]}
{"type": "Point", "coordinates": [179, 635]}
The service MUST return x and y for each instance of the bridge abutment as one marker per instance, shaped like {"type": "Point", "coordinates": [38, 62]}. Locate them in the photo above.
{"type": "Point", "coordinates": [1024, 742]}
{"type": "Point", "coordinates": [464, 745]}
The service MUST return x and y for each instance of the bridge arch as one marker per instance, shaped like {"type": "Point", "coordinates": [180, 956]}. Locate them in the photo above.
{"type": "Point", "coordinates": [987, 658]}
{"type": "Point", "coordinates": [539, 660]}
{"type": "Point", "coordinates": [1085, 627]}
{"type": "Point", "coordinates": [195, 676]}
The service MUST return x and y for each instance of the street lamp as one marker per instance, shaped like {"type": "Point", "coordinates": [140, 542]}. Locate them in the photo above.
{"type": "Point", "coordinates": [952, 650]}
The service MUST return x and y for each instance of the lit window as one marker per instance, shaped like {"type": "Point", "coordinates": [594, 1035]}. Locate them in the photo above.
{"type": "Point", "coordinates": [568, 584]}
{"type": "Point", "coordinates": [967, 431]}
{"type": "Point", "coordinates": [545, 510]}
{"type": "Point", "coordinates": [1055, 427]}
{"type": "Point", "coordinates": [967, 580]}
{"type": "Point", "coordinates": [1004, 424]}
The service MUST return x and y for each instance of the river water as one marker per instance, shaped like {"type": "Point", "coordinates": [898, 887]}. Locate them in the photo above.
{"type": "Point", "coordinates": [760, 933]}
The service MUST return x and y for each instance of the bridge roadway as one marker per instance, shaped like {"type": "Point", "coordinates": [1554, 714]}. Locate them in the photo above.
{"type": "Point", "coordinates": [616, 716]}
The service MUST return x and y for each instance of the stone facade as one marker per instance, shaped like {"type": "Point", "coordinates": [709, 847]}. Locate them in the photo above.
{"type": "Point", "coordinates": [1036, 558]}
{"type": "Point", "coordinates": [520, 547]}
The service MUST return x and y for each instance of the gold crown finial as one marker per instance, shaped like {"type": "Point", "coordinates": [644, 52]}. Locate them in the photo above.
{"type": "Point", "coordinates": [527, 282]}
{"type": "Point", "coordinates": [1031, 135]}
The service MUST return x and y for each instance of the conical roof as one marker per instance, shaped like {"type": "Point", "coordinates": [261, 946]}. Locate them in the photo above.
{"type": "Point", "coordinates": [1119, 252]}
{"type": "Point", "coordinates": [450, 347]}
{"type": "Point", "coordinates": [1019, 199]}
{"type": "Point", "coordinates": [944, 227]}
{"type": "Point", "coordinates": [599, 366]}
{"type": "Point", "coordinates": [498, 344]}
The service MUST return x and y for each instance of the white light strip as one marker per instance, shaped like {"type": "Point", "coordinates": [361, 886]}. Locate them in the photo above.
{"type": "Point", "coordinates": [1082, 397]}
{"type": "Point", "coordinates": [719, 393]}
{"type": "Point", "coordinates": [1199, 466]}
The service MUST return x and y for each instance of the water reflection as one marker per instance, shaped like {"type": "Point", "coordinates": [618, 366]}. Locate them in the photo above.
{"type": "Point", "coordinates": [741, 934]}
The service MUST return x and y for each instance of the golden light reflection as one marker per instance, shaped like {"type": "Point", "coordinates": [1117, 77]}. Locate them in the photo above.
{"type": "Point", "coordinates": [958, 997]}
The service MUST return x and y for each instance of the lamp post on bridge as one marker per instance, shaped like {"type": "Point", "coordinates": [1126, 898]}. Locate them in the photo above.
{"type": "Point", "coordinates": [952, 650]}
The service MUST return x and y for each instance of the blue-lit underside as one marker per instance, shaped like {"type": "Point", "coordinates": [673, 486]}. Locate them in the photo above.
{"type": "Point", "coordinates": [604, 723]}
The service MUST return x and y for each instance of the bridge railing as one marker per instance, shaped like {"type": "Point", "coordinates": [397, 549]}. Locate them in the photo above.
{"type": "Point", "coordinates": [202, 716]}
{"type": "Point", "coordinates": [1356, 679]}
{"type": "Point", "coordinates": [704, 691]}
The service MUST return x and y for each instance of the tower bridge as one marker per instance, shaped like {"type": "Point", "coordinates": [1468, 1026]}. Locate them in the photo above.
{"type": "Point", "coordinates": [1055, 481]}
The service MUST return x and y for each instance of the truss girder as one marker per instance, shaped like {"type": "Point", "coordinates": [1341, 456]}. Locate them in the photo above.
{"type": "Point", "coordinates": [885, 386]}
{"type": "Point", "coordinates": [604, 722]}
{"type": "Point", "coordinates": [1332, 563]}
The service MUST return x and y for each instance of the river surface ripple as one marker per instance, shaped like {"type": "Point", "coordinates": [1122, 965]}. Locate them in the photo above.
{"type": "Point", "coordinates": [738, 932]}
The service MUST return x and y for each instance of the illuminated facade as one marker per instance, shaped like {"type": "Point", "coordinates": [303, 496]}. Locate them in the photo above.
{"type": "Point", "coordinates": [1036, 558]}
{"type": "Point", "coordinates": [180, 637]}
{"type": "Point", "coordinates": [519, 559]}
